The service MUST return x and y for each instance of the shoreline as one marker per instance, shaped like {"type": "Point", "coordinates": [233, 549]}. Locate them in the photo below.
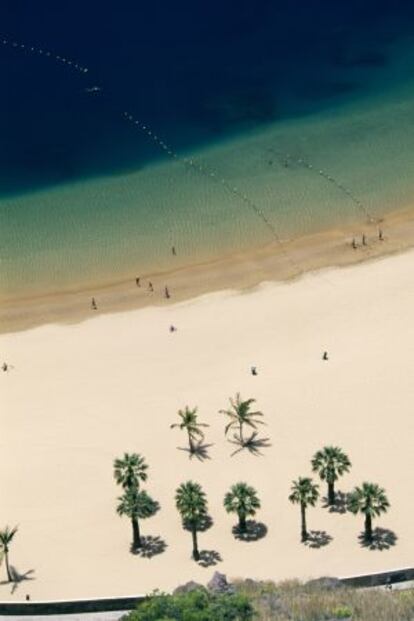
{"type": "Point", "coordinates": [275, 262]}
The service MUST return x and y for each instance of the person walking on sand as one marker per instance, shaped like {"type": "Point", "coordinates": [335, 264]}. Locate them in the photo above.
{"type": "Point", "coordinates": [94, 305]}
{"type": "Point", "coordinates": [166, 293]}
{"type": "Point", "coordinates": [325, 356]}
{"type": "Point", "coordinates": [354, 246]}
{"type": "Point", "coordinates": [137, 282]}
{"type": "Point", "coordinates": [150, 287]}
{"type": "Point", "coordinates": [5, 366]}
{"type": "Point", "coordinates": [173, 328]}
{"type": "Point", "coordinates": [253, 370]}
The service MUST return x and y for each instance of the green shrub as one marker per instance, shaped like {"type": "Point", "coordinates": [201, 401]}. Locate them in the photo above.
{"type": "Point", "coordinates": [197, 605]}
{"type": "Point", "coordinates": [342, 612]}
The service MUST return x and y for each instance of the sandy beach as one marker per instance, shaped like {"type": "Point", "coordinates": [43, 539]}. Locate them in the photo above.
{"type": "Point", "coordinates": [77, 396]}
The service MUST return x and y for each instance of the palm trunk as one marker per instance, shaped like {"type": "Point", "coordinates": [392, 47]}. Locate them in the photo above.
{"type": "Point", "coordinates": [196, 553]}
{"type": "Point", "coordinates": [241, 434]}
{"type": "Point", "coordinates": [136, 535]}
{"type": "Point", "coordinates": [368, 528]}
{"type": "Point", "coordinates": [331, 493]}
{"type": "Point", "coordinates": [242, 523]}
{"type": "Point", "coordinates": [190, 442]}
{"type": "Point", "coordinates": [304, 532]}
{"type": "Point", "coordinates": [6, 561]}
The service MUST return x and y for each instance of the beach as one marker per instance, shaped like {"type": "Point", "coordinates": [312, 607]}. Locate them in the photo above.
{"type": "Point", "coordinates": [280, 260]}
{"type": "Point", "coordinates": [86, 388]}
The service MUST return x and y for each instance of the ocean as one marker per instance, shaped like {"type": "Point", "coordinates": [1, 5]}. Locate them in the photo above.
{"type": "Point", "coordinates": [246, 122]}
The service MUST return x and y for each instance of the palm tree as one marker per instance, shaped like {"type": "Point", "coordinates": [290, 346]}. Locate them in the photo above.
{"type": "Point", "coordinates": [330, 463]}
{"type": "Point", "coordinates": [191, 502]}
{"type": "Point", "coordinates": [243, 500]}
{"type": "Point", "coordinates": [304, 492]}
{"type": "Point", "coordinates": [191, 425]}
{"type": "Point", "coordinates": [136, 505]}
{"type": "Point", "coordinates": [240, 415]}
{"type": "Point", "coordinates": [130, 470]}
{"type": "Point", "coordinates": [371, 500]}
{"type": "Point", "coordinates": [6, 537]}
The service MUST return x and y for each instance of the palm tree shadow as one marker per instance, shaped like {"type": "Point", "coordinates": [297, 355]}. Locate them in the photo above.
{"type": "Point", "coordinates": [200, 451]}
{"type": "Point", "coordinates": [17, 577]}
{"type": "Point", "coordinates": [382, 539]}
{"type": "Point", "coordinates": [252, 444]}
{"type": "Point", "coordinates": [209, 558]}
{"type": "Point", "coordinates": [151, 546]}
{"type": "Point", "coordinates": [206, 522]}
{"type": "Point", "coordinates": [254, 531]}
{"type": "Point", "coordinates": [317, 539]}
{"type": "Point", "coordinates": [341, 503]}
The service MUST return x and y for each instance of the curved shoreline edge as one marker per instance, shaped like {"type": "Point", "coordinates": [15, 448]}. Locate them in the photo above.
{"type": "Point", "coordinates": [128, 602]}
{"type": "Point", "coordinates": [239, 272]}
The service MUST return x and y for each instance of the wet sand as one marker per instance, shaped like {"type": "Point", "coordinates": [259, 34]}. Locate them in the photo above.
{"type": "Point", "coordinates": [278, 261]}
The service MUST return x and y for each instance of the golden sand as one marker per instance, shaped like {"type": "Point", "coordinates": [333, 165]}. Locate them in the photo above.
{"type": "Point", "coordinates": [80, 395]}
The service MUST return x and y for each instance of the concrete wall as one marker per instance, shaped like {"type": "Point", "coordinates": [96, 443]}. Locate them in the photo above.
{"type": "Point", "coordinates": [70, 607]}
{"type": "Point", "coordinates": [385, 577]}
{"type": "Point", "coordinates": [129, 603]}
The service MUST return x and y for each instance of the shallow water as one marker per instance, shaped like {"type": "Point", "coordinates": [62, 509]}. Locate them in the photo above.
{"type": "Point", "coordinates": [264, 98]}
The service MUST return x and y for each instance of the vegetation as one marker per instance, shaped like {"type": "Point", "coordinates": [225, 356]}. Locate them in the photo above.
{"type": "Point", "coordinates": [191, 425]}
{"type": "Point", "coordinates": [136, 505]}
{"type": "Point", "coordinates": [196, 605]}
{"type": "Point", "coordinates": [243, 500]}
{"type": "Point", "coordinates": [6, 537]}
{"type": "Point", "coordinates": [305, 493]}
{"type": "Point", "coordinates": [191, 502]}
{"type": "Point", "coordinates": [130, 470]}
{"type": "Point", "coordinates": [330, 463]}
{"type": "Point", "coordinates": [371, 501]}
{"type": "Point", "coordinates": [287, 601]}
{"type": "Point", "coordinates": [240, 416]}
{"type": "Point", "coordinates": [318, 601]}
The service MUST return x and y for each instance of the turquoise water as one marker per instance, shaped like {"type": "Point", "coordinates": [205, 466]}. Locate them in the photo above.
{"type": "Point", "coordinates": [70, 230]}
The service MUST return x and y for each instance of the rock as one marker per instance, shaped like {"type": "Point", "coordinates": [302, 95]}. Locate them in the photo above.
{"type": "Point", "coordinates": [219, 584]}
{"type": "Point", "coordinates": [326, 583]}
{"type": "Point", "coordinates": [188, 587]}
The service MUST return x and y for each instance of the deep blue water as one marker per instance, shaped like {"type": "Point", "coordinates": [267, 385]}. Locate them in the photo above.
{"type": "Point", "coordinates": [197, 72]}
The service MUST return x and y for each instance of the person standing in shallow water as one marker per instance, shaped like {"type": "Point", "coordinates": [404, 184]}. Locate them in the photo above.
{"type": "Point", "coordinates": [94, 305]}
{"type": "Point", "coordinates": [166, 293]}
{"type": "Point", "coordinates": [174, 251]}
